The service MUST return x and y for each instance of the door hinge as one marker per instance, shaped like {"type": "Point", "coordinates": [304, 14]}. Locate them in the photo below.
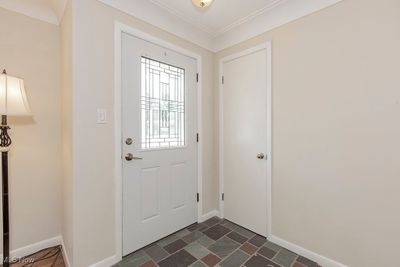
{"type": "Point", "coordinates": [197, 137]}
{"type": "Point", "coordinates": [198, 197]}
{"type": "Point", "coordinates": [197, 77]}
{"type": "Point", "coordinates": [223, 196]}
{"type": "Point", "coordinates": [223, 79]}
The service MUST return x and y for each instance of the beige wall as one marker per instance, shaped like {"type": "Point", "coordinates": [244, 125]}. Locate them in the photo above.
{"type": "Point", "coordinates": [66, 135]}
{"type": "Point", "coordinates": [94, 233]}
{"type": "Point", "coordinates": [30, 49]}
{"type": "Point", "coordinates": [336, 104]}
{"type": "Point", "coordinates": [336, 110]}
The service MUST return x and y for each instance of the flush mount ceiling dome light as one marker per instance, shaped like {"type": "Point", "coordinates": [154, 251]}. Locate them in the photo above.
{"type": "Point", "coordinates": [202, 3]}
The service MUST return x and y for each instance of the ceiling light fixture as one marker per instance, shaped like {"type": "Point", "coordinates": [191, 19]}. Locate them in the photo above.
{"type": "Point", "coordinates": [202, 3]}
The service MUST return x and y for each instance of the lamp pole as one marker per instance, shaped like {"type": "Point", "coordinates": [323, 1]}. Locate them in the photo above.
{"type": "Point", "coordinates": [5, 142]}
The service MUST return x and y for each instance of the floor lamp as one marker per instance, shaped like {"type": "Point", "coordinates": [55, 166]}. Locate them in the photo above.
{"type": "Point", "coordinates": [13, 102]}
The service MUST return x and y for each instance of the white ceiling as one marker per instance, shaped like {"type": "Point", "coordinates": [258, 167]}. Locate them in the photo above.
{"type": "Point", "coordinates": [223, 24]}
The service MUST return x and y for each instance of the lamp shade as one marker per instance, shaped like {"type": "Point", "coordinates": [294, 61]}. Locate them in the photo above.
{"type": "Point", "coordinates": [13, 100]}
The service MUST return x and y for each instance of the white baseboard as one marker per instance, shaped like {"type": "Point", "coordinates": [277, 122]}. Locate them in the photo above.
{"type": "Point", "coordinates": [65, 254]}
{"type": "Point", "coordinates": [209, 215]}
{"type": "Point", "coordinates": [321, 260]}
{"type": "Point", "coordinates": [110, 261]}
{"type": "Point", "coordinates": [27, 250]}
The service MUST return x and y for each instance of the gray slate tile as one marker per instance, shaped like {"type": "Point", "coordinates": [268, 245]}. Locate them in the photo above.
{"type": "Point", "coordinates": [228, 224]}
{"type": "Point", "coordinates": [197, 226]}
{"type": "Point", "coordinates": [237, 237]}
{"type": "Point", "coordinates": [223, 247]}
{"type": "Point", "coordinates": [307, 262]}
{"type": "Point", "coordinates": [244, 232]}
{"type": "Point", "coordinates": [175, 246]}
{"type": "Point", "coordinates": [272, 246]}
{"type": "Point", "coordinates": [285, 258]}
{"type": "Point", "coordinates": [212, 221]}
{"type": "Point", "coordinates": [183, 233]}
{"type": "Point", "coordinates": [179, 259]}
{"type": "Point", "coordinates": [258, 240]}
{"type": "Point", "coordinates": [236, 259]}
{"type": "Point", "coordinates": [135, 259]}
{"type": "Point", "coordinates": [198, 264]}
{"type": "Point", "coordinates": [193, 236]}
{"type": "Point", "coordinates": [197, 250]}
{"type": "Point", "coordinates": [216, 232]}
{"type": "Point", "coordinates": [266, 252]}
{"type": "Point", "coordinates": [156, 252]}
{"type": "Point", "coordinates": [205, 241]}
{"type": "Point", "coordinates": [260, 261]}
{"type": "Point", "coordinates": [167, 240]}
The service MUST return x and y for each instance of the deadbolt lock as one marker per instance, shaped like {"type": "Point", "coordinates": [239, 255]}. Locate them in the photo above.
{"type": "Point", "coordinates": [129, 141]}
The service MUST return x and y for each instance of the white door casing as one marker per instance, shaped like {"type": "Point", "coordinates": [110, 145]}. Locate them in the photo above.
{"type": "Point", "coordinates": [159, 190]}
{"type": "Point", "coordinates": [245, 131]}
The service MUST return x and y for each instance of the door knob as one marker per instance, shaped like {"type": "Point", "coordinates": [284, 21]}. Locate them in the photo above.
{"type": "Point", "coordinates": [260, 156]}
{"type": "Point", "coordinates": [130, 157]}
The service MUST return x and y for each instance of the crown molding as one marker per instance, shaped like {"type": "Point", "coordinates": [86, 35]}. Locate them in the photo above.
{"type": "Point", "coordinates": [184, 17]}
{"type": "Point", "coordinates": [249, 17]}
{"type": "Point", "coordinates": [155, 12]}
{"type": "Point", "coordinates": [171, 20]}
{"type": "Point", "coordinates": [50, 12]}
{"type": "Point", "coordinates": [282, 13]}
{"type": "Point", "coordinates": [159, 17]}
{"type": "Point", "coordinates": [31, 9]}
{"type": "Point", "coordinates": [215, 32]}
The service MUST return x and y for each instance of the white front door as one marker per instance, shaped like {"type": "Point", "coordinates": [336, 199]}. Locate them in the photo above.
{"type": "Point", "coordinates": [244, 108]}
{"type": "Point", "coordinates": [159, 143]}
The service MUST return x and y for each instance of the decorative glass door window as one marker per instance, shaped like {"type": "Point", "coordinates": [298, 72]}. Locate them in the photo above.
{"type": "Point", "coordinates": [162, 105]}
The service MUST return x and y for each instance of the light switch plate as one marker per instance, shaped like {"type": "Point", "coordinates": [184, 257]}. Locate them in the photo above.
{"type": "Point", "coordinates": [101, 116]}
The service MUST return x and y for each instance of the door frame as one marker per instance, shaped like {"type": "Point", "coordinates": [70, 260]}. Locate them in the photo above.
{"type": "Point", "coordinates": [119, 29]}
{"type": "Point", "coordinates": [268, 47]}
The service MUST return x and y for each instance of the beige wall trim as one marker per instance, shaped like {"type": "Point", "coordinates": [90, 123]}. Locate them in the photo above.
{"type": "Point", "coordinates": [321, 260]}
{"type": "Point", "coordinates": [268, 47]}
{"type": "Point", "coordinates": [121, 28]}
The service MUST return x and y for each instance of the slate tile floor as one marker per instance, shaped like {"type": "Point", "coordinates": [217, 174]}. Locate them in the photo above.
{"type": "Point", "coordinates": [214, 242]}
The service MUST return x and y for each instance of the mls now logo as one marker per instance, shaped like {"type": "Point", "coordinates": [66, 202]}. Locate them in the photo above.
{"type": "Point", "coordinates": [23, 261]}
